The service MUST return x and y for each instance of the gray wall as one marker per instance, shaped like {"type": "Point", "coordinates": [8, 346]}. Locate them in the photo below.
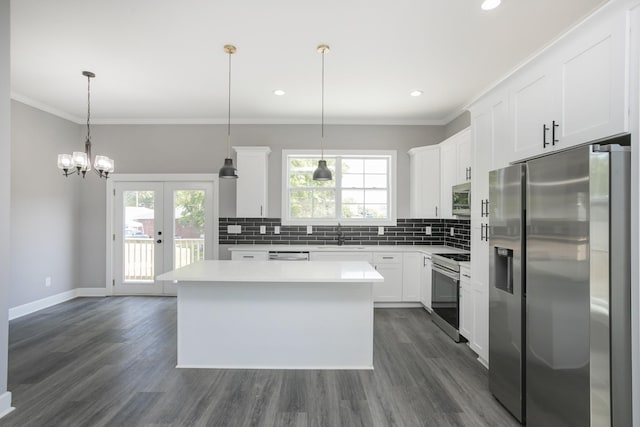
{"type": "Point", "coordinates": [5, 191]}
{"type": "Point", "coordinates": [463, 121]}
{"type": "Point", "coordinates": [45, 206]}
{"type": "Point", "coordinates": [202, 148]}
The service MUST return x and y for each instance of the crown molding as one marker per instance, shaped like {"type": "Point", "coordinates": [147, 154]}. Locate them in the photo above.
{"type": "Point", "coordinates": [223, 121]}
{"type": "Point", "coordinates": [45, 107]}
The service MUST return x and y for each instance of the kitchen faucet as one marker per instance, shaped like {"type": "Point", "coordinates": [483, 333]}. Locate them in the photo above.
{"type": "Point", "coordinates": [340, 235]}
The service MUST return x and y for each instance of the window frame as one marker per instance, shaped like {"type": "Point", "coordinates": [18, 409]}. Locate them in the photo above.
{"type": "Point", "coordinates": [391, 197]}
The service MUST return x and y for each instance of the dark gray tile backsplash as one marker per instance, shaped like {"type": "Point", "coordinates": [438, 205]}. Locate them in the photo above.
{"type": "Point", "coordinates": [406, 232]}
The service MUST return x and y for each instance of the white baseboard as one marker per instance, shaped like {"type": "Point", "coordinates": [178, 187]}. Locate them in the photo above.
{"type": "Point", "coordinates": [397, 305]}
{"type": "Point", "coordinates": [5, 404]}
{"type": "Point", "coordinates": [90, 292]}
{"type": "Point", "coordinates": [32, 307]}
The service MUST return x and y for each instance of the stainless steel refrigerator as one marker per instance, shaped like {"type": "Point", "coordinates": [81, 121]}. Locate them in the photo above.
{"type": "Point", "coordinates": [559, 298]}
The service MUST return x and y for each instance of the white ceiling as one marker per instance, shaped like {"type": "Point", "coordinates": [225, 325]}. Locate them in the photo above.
{"type": "Point", "coordinates": [163, 61]}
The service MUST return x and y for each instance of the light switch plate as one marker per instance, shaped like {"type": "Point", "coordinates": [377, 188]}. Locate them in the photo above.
{"type": "Point", "coordinates": [263, 229]}
{"type": "Point", "coordinates": [234, 229]}
{"type": "Point", "coordinates": [309, 229]}
{"type": "Point", "coordinates": [380, 231]}
{"type": "Point", "coordinates": [427, 230]}
{"type": "Point", "coordinates": [276, 229]}
{"type": "Point", "coordinates": [452, 232]}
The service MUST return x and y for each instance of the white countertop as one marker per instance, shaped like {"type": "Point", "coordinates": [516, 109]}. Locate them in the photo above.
{"type": "Point", "coordinates": [428, 249]}
{"type": "Point", "coordinates": [275, 272]}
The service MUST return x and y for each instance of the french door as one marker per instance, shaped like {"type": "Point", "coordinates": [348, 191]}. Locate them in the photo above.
{"type": "Point", "coordinates": [159, 226]}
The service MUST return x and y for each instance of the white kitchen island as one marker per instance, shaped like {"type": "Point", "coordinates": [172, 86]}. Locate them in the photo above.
{"type": "Point", "coordinates": [275, 314]}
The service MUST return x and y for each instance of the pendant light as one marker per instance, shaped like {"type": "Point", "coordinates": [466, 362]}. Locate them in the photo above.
{"type": "Point", "coordinates": [227, 170]}
{"type": "Point", "coordinates": [80, 161]}
{"type": "Point", "coordinates": [322, 172]}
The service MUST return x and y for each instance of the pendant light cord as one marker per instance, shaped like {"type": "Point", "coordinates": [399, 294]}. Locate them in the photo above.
{"type": "Point", "coordinates": [229, 113]}
{"type": "Point", "coordinates": [322, 114]}
{"type": "Point", "coordinates": [88, 108]}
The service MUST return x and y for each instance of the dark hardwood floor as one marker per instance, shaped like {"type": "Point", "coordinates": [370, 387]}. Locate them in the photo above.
{"type": "Point", "coordinates": [111, 362]}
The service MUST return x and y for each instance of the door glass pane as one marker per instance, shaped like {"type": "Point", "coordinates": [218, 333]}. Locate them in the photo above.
{"type": "Point", "coordinates": [188, 226]}
{"type": "Point", "coordinates": [139, 220]}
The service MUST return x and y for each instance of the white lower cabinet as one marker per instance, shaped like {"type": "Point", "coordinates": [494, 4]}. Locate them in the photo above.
{"type": "Point", "coordinates": [249, 256]}
{"type": "Point", "coordinates": [389, 265]}
{"type": "Point", "coordinates": [467, 306]}
{"type": "Point", "coordinates": [411, 276]}
{"type": "Point", "coordinates": [426, 280]}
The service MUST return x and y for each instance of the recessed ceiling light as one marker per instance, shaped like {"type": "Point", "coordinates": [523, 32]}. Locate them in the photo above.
{"type": "Point", "coordinates": [416, 93]}
{"type": "Point", "coordinates": [490, 4]}
{"type": "Point", "coordinates": [279, 92]}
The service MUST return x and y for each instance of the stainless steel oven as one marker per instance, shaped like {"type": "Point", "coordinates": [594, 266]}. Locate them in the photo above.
{"type": "Point", "coordinates": [445, 292]}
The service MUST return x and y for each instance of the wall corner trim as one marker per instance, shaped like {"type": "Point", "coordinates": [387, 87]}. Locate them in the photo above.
{"type": "Point", "coordinates": [37, 305]}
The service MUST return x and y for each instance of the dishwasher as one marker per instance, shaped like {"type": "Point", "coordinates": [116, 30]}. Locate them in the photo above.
{"type": "Point", "coordinates": [288, 255]}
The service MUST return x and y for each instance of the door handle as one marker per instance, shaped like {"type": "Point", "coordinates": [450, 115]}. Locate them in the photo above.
{"type": "Point", "coordinates": [481, 208]}
{"type": "Point", "coordinates": [554, 125]}
{"type": "Point", "coordinates": [545, 128]}
{"type": "Point", "coordinates": [487, 210]}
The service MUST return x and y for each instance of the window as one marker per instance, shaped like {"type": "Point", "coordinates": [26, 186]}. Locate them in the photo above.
{"type": "Point", "coordinates": [362, 190]}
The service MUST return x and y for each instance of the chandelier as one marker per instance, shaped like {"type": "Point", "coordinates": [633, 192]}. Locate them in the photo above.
{"type": "Point", "coordinates": [80, 161]}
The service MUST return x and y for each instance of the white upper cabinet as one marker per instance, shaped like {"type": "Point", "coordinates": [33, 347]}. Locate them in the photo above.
{"type": "Point", "coordinates": [593, 90]}
{"type": "Point", "coordinates": [464, 156]}
{"type": "Point", "coordinates": [530, 97]}
{"type": "Point", "coordinates": [424, 163]}
{"type": "Point", "coordinates": [448, 175]}
{"type": "Point", "coordinates": [434, 170]}
{"type": "Point", "coordinates": [455, 166]}
{"type": "Point", "coordinates": [252, 183]}
{"type": "Point", "coordinates": [573, 93]}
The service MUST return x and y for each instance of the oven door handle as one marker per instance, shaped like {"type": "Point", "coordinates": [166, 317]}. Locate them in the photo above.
{"type": "Point", "coordinates": [449, 274]}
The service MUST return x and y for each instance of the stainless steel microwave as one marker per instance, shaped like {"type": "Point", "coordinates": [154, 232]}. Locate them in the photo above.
{"type": "Point", "coordinates": [461, 199]}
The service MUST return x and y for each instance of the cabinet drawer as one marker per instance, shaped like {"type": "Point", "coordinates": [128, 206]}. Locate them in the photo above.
{"type": "Point", "coordinates": [249, 256]}
{"type": "Point", "coordinates": [387, 258]}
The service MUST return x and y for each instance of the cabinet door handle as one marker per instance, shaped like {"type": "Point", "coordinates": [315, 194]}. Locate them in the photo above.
{"type": "Point", "coordinates": [247, 256]}
{"type": "Point", "coordinates": [387, 257]}
{"type": "Point", "coordinates": [486, 212]}
{"type": "Point", "coordinates": [481, 208]}
{"type": "Point", "coordinates": [481, 232]}
{"type": "Point", "coordinates": [545, 128]}
{"type": "Point", "coordinates": [436, 211]}
{"type": "Point", "coordinates": [260, 210]}
{"type": "Point", "coordinates": [554, 125]}
{"type": "Point", "coordinates": [467, 276]}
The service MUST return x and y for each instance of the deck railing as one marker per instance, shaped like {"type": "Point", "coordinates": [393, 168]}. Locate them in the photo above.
{"type": "Point", "coordinates": [139, 256]}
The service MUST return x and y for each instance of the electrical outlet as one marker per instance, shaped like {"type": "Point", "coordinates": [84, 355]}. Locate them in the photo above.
{"type": "Point", "coordinates": [263, 229]}
{"type": "Point", "coordinates": [427, 230]}
{"type": "Point", "coordinates": [47, 282]}
{"type": "Point", "coordinates": [276, 229]}
{"type": "Point", "coordinates": [451, 232]}
{"type": "Point", "coordinates": [380, 231]}
{"type": "Point", "coordinates": [309, 229]}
